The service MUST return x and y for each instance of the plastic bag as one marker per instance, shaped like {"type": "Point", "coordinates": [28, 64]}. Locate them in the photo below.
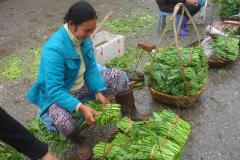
{"type": "Point", "coordinates": [207, 44]}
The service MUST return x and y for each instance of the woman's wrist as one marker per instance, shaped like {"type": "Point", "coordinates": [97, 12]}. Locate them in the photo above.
{"type": "Point", "coordinates": [77, 108]}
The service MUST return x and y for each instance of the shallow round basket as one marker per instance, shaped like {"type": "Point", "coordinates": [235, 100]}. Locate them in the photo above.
{"type": "Point", "coordinates": [177, 101]}
{"type": "Point", "coordinates": [227, 18]}
{"type": "Point", "coordinates": [216, 63]}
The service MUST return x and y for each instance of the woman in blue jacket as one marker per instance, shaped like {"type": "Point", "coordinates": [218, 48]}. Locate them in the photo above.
{"type": "Point", "coordinates": [68, 72]}
{"type": "Point", "coordinates": [192, 6]}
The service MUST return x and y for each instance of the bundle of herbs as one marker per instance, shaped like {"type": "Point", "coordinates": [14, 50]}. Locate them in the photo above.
{"type": "Point", "coordinates": [110, 115]}
{"type": "Point", "coordinates": [226, 47]}
{"type": "Point", "coordinates": [161, 137]}
{"type": "Point", "coordinates": [166, 74]}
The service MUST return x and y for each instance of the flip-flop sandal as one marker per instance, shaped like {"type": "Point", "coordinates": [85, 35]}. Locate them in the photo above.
{"type": "Point", "coordinates": [135, 76]}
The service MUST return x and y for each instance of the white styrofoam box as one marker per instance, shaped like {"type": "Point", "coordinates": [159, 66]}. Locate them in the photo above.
{"type": "Point", "coordinates": [200, 17]}
{"type": "Point", "coordinates": [107, 46]}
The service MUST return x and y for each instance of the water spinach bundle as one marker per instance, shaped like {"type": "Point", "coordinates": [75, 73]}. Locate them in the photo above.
{"type": "Point", "coordinates": [164, 73]}
{"type": "Point", "coordinates": [161, 137]}
{"type": "Point", "coordinates": [226, 47]}
{"type": "Point", "coordinates": [110, 115]}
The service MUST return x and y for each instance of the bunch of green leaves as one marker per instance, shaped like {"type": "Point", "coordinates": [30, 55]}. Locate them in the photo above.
{"type": "Point", "coordinates": [226, 47]}
{"type": "Point", "coordinates": [56, 141]}
{"type": "Point", "coordinates": [126, 62]}
{"type": "Point", "coordinates": [12, 68]}
{"type": "Point", "coordinates": [222, 72]}
{"type": "Point", "coordinates": [229, 7]}
{"type": "Point", "coordinates": [114, 152]}
{"type": "Point", "coordinates": [110, 115]}
{"type": "Point", "coordinates": [166, 75]}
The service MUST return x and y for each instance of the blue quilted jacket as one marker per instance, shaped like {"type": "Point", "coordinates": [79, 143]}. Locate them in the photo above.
{"type": "Point", "coordinates": [58, 71]}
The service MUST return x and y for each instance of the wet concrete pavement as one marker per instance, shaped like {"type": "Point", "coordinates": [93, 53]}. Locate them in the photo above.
{"type": "Point", "coordinates": [214, 117]}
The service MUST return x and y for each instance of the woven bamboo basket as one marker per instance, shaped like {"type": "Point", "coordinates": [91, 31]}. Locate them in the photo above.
{"type": "Point", "coordinates": [185, 101]}
{"type": "Point", "coordinates": [182, 102]}
{"type": "Point", "coordinates": [219, 62]}
{"type": "Point", "coordinates": [227, 18]}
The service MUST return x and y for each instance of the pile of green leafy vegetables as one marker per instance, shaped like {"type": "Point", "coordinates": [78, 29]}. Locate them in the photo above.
{"type": "Point", "coordinates": [228, 7]}
{"type": "Point", "coordinates": [226, 47]}
{"type": "Point", "coordinates": [163, 136]}
{"type": "Point", "coordinates": [165, 75]}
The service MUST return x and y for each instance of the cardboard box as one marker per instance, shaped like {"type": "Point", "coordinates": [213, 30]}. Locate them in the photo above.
{"type": "Point", "coordinates": [107, 46]}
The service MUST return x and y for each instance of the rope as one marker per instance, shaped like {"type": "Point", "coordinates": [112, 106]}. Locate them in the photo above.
{"type": "Point", "coordinates": [129, 127]}
{"type": "Point", "coordinates": [108, 149]}
{"type": "Point", "coordinates": [152, 151]}
{"type": "Point", "coordinates": [176, 120]}
{"type": "Point", "coordinates": [229, 44]}
{"type": "Point", "coordinates": [125, 143]}
{"type": "Point", "coordinates": [169, 130]}
{"type": "Point", "coordinates": [163, 141]}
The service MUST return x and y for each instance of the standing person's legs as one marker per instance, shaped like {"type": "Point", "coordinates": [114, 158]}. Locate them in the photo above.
{"type": "Point", "coordinates": [169, 8]}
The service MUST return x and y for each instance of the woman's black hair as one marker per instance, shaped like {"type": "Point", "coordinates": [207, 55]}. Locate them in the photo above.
{"type": "Point", "coordinates": [80, 12]}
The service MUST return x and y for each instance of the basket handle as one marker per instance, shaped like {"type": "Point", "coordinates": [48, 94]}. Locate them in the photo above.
{"type": "Point", "coordinates": [172, 18]}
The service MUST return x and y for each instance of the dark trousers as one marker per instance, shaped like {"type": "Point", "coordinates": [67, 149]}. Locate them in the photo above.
{"type": "Point", "coordinates": [16, 135]}
{"type": "Point", "coordinates": [169, 8]}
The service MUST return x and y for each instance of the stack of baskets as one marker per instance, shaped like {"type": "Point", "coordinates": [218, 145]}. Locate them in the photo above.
{"type": "Point", "coordinates": [187, 61]}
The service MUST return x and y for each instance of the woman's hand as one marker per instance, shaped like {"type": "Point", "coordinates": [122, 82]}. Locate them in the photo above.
{"type": "Point", "coordinates": [194, 2]}
{"type": "Point", "coordinates": [88, 113]}
{"type": "Point", "coordinates": [100, 97]}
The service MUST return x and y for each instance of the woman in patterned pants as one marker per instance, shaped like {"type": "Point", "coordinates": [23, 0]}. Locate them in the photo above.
{"type": "Point", "coordinates": [68, 72]}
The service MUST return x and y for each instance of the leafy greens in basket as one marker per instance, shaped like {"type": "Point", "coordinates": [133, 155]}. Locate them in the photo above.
{"type": "Point", "coordinates": [226, 47]}
{"type": "Point", "coordinates": [164, 75]}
